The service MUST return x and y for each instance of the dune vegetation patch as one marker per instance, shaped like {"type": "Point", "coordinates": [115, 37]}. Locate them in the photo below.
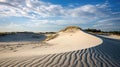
{"type": "Point", "coordinates": [52, 36]}
{"type": "Point", "coordinates": [70, 29]}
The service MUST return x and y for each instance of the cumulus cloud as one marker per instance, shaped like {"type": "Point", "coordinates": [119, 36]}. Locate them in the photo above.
{"type": "Point", "coordinates": [108, 24]}
{"type": "Point", "coordinates": [12, 27]}
{"type": "Point", "coordinates": [37, 9]}
{"type": "Point", "coordinates": [42, 14]}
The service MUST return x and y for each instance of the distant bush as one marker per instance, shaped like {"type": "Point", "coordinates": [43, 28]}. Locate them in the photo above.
{"type": "Point", "coordinates": [114, 32]}
{"type": "Point", "coordinates": [103, 32]}
{"type": "Point", "coordinates": [12, 33]}
{"type": "Point", "coordinates": [7, 33]}
{"type": "Point", "coordinates": [1, 34]}
{"type": "Point", "coordinates": [70, 29]}
{"type": "Point", "coordinates": [93, 30]}
{"type": "Point", "coordinates": [49, 32]}
{"type": "Point", "coordinates": [4, 33]}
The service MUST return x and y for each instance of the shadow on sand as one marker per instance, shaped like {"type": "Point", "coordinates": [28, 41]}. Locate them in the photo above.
{"type": "Point", "coordinates": [110, 47]}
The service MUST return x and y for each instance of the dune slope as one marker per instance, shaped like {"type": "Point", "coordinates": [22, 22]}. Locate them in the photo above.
{"type": "Point", "coordinates": [72, 38]}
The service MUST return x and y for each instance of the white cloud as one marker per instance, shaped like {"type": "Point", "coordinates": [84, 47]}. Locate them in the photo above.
{"type": "Point", "coordinates": [87, 11]}
{"type": "Point", "coordinates": [11, 27]}
{"type": "Point", "coordinates": [2, 0]}
{"type": "Point", "coordinates": [108, 24]}
{"type": "Point", "coordinates": [37, 9]}
{"type": "Point", "coordinates": [110, 19]}
{"type": "Point", "coordinates": [105, 5]}
{"type": "Point", "coordinates": [40, 13]}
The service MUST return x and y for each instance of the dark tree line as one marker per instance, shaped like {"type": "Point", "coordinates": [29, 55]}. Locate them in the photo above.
{"type": "Point", "coordinates": [104, 32]}
{"type": "Point", "coordinates": [93, 30]}
{"type": "Point", "coordinates": [114, 32]}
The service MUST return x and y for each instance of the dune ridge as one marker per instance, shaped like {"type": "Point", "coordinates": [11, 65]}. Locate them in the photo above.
{"type": "Point", "coordinates": [73, 38]}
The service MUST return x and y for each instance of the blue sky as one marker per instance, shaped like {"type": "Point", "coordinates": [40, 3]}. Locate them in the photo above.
{"type": "Point", "coordinates": [53, 15]}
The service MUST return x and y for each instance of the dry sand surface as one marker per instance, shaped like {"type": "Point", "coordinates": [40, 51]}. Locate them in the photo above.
{"type": "Point", "coordinates": [70, 48]}
{"type": "Point", "coordinates": [112, 36]}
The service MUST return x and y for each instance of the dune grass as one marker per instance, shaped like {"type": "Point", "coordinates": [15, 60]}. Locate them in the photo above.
{"type": "Point", "coordinates": [52, 36]}
{"type": "Point", "coordinates": [70, 29]}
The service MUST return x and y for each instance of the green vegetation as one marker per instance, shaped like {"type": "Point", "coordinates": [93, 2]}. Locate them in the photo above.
{"type": "Point", "coordinates": [98, 31]}
{"type": "Point", "coordinates": [93, 30]}
{"type": "Point", "coordinates": [48, 32]}
{"type": "Point", "coordinates": [6, 33]}
{"type": "Point", "coordinates": [12, 33]}
{"type": "Point", "coordinates": [70, 27]}
{"type": "Point", "coordinates": [114, 32]}
{"type": "Point", "coordinates": [52, 36]}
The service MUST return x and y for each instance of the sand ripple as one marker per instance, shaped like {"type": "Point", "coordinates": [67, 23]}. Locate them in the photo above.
{"type": "Point", "coordinates": [91, 57]}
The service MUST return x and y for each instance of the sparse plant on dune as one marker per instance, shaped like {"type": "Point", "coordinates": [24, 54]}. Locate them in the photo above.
{"type": "Point", "coordinates": [70, 29]}
{"type": "Point", "coordinates": [52, 36]}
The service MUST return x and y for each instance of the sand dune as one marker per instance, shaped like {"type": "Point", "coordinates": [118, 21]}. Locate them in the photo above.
{"type": "Point", "coordinates": [70, 48]}
{"type": "Point", "coordinates": [70, 39]}
{"type": "Point", "coordinates": [91, 57]}
{"type": "Point", "coordinates": [74, 39]}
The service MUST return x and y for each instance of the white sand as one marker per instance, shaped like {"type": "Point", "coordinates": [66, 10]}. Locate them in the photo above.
{"type": "Point", "coordinates": [69, 48]}
{"type": "Point", "coordinates": [74, 41]}
{"type": "Point", "coordinates": [112, 36]}
{"type": "Point", "coordinates": [65, 42]}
